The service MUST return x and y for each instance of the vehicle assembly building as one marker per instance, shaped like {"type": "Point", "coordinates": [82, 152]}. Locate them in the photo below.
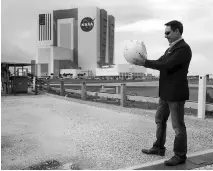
{"type": "Point", "coordinates": [79, 38]}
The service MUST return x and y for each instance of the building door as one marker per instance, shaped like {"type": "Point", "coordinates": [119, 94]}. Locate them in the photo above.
{"type": "Point", "coordinates": [65, 33]}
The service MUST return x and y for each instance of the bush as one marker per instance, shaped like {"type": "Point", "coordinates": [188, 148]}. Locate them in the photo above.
{"type": "Point", "coordinates": [209, 99]}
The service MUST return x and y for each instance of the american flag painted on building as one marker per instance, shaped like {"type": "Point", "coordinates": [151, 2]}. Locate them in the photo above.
{"type": "Point", "coordinates": [45, 27]}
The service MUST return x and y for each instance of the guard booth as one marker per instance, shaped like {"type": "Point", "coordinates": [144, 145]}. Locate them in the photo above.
{"type": "Point", "coordinates": [19, 84]}
{"type": "Point", "coordinates": [16, 82]}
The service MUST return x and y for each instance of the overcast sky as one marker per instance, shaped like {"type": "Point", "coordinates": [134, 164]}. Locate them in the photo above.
{"type": "Point", "coordinates": [134, 20]}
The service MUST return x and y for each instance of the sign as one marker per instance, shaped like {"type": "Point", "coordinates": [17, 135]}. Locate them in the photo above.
{"type": "Point", "coordinates": [87, 24]}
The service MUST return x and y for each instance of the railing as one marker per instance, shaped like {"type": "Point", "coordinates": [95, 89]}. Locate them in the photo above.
{"type": "Point", "coordinates": [121, 96]}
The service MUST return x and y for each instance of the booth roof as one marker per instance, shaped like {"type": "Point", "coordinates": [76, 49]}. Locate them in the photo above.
{"type": "Point", "coordinates": [16, 64]}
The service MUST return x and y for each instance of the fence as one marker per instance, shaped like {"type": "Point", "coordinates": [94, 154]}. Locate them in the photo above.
{"type": "Point", "coordinates": [121, 96]}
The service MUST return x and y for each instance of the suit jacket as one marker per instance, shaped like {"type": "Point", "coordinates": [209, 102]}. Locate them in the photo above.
{"type": "Point", "coordinates": [173, 67]}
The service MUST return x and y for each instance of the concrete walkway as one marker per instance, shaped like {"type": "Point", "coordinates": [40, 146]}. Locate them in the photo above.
{"type": "Point", "coordinates": [94, 135]}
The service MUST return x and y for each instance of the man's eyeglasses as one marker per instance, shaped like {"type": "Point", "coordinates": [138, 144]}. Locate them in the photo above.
{"type": "Point", "coordinates": [167, 33]}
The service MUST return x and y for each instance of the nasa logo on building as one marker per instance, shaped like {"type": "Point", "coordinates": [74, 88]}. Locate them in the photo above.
{"type": "Point", "coordinates": [87, 24]}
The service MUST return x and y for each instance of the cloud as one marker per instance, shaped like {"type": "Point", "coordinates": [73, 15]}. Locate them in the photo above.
{"type": "Point", "coordinates": [198, 59]}
{"type": "Point", "coordinates": [199, 29]}
{"type": "Point", "coordinates": [141, 20]}
{"type": "Point", "coordinates": [142, 26]}
{"type": "Point", "coordinates": [25, 34]}
{"type": "Point", "coordinates": [197, 18]}
{"type": "Point", "coordinates": [13, 53]}
{"type": "Point", "coordinates": [200, 65]}
{"type": "Point", "coordinates": [202, 47]}
{"type": "Point", "coordinates": [126, 12]}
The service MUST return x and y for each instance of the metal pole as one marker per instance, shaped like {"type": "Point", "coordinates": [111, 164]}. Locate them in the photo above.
{"type": "Point", "coordinates": [123, 95]}
{"type": "Point", "coordinates": [202, 97]}
{"type": "Point", "coordinates": [14, 80]}
{"type": "Point", "coordinates": [83, 91]}
{"type": "Point", "coordinates": [62, 88]}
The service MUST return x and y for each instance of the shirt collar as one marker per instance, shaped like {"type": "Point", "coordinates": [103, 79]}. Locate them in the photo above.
{"type": "Point", "coordinates": [176, 41]}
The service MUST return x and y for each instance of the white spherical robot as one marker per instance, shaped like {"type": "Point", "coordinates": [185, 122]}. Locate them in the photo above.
{"type": "Point", "coordinates": [133, 50]}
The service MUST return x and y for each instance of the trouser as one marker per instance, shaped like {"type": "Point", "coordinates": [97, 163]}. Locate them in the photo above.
{"type": "Point", "coordinates": [176, 108]}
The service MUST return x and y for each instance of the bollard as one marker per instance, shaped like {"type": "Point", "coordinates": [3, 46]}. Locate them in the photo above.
{"type": "Point", "coordinates": [34, 83]}
{"type": "Point", "coordinates": [202, 97]}
{"type": "Point", "coordinates": [83, 90]}
{"type": "Point", "coordinates": [62, 88]}
{"type": "Point", "coordinates": [123, 95]}
{"type": "Point", "coordinates": [102, 86]}
{"type": "Point", "coordinates": [117, 90]}
{"type": "Point", "coordinates": [36, 87]}
{"type": "Point", "coordinates": [102, 90]}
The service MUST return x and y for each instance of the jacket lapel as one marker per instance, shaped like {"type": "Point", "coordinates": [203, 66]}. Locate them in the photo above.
{"type": "Point", "coordinates": [177, 45]}
{"type": "Point", "coordinates": [170, 51]}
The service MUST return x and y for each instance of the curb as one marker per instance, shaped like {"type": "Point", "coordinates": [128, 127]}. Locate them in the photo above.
{"type": "Point", "coordinates": [149, 165]}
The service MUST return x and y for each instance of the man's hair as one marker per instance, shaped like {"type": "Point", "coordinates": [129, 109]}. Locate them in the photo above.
{"type": "Point", "coordinates": [175, 25]}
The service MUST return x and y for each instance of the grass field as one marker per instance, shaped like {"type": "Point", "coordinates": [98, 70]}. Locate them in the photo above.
{"type": "Point", "coordinates": [150, 91]}
{"type": "Point", "coordinates": [78, 81]}
{"type": "Point", "coordinates": [143, 91]}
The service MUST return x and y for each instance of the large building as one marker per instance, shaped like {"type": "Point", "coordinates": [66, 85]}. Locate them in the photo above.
{"type": "Point", "coordinates": [79, 38]}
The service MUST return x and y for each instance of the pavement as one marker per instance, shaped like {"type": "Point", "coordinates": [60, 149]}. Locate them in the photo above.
{"type": "Point", "coordinates": [92, 135]}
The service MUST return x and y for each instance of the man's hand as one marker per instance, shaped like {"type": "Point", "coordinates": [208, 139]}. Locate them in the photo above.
{"type": "Point", "coordinates": [140, 62]}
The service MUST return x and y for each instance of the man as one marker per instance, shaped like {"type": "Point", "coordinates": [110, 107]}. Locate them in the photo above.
{"type": "Point", "coordinates": [173, 92]}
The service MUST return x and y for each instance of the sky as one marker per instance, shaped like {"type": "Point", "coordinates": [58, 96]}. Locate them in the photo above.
{"type": "Point", "coordinates": [134, 20]}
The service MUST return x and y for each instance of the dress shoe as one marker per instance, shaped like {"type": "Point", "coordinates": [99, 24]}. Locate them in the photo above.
{"type": "Point", "coordinates": [160, 152]}
{"type": "Point", "coordinates": [174, 161]}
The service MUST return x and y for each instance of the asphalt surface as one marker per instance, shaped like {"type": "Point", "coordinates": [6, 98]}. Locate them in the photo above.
{"type": "Point", "coordinates": [93, 135]}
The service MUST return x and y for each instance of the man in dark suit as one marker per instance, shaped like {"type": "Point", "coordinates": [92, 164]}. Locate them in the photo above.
{"type": "Point", "coordinates": [173, 92]}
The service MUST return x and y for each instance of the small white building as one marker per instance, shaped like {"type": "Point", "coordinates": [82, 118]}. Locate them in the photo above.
{"type": "Point", "coordinates": [74, 73]}
{"type": "Point", "coordinates": [116, 71]}
{"type": "Point", "coordinates": [121, 71]}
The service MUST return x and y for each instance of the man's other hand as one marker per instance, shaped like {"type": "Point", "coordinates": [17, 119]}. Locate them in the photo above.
{"type": "Point", "coordinates": [141, 61]}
